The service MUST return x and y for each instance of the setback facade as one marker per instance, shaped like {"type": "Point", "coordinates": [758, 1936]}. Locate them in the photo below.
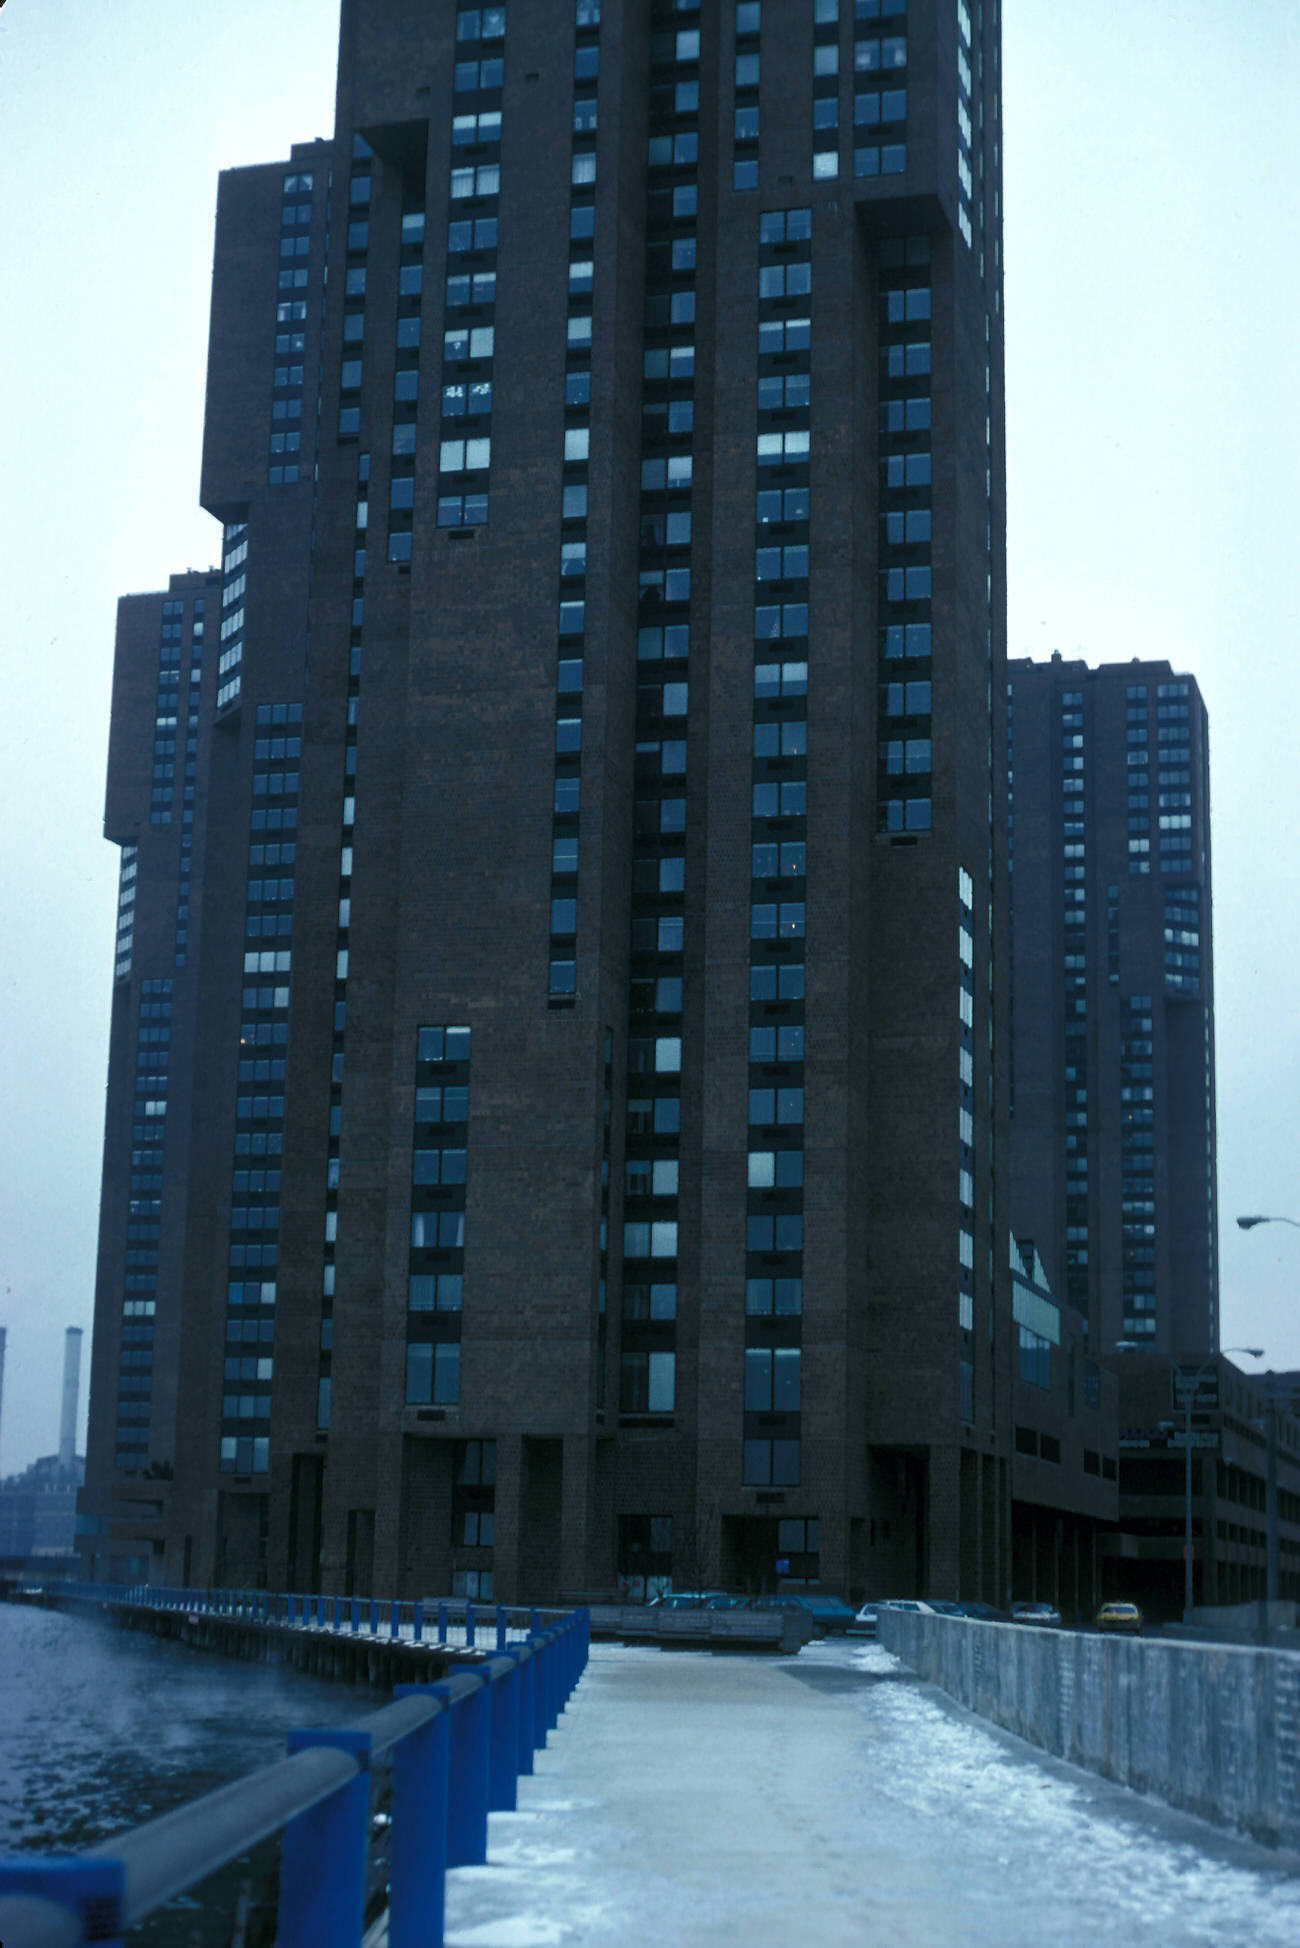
{"type": "Point", "coordinates": [586, 1157]}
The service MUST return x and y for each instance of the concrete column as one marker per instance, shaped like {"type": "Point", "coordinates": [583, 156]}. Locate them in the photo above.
{"type": "Point", "coordinates": [988, 1589]}
{"type": "Point", "coordinates": [388, 1515]}
{"type": "Point", "coordinates": [578, 1495]}
{"type": "Point", "coordinates": [507, 1523]}
{"type": "Point", "coordinates": [942, 1531]}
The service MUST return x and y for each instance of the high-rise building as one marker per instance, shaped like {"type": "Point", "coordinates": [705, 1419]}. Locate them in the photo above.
{"type": "Point", "coordinates": [1113, 1127]}
{"type": "Point", "coordinates": [586, 1137]}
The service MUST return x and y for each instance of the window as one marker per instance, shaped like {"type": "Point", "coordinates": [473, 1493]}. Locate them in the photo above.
{"type": "Point", "coordinates": [784, 280]}
{"type": "Point", "coordinates": [435, 1292]}
{"type": "Point", "coordinates": [771, 1464]}
{"type": "Point", "coordinates": [464, 456]}
{"type": "Point", "coordinates": [647, 1382]}
{"type": "Point", "coordinates": [432, 1374]}
{"type": "Point", "coordinates": [772, 1379]}
{"type": "Point", "coordinates": [484, 180]}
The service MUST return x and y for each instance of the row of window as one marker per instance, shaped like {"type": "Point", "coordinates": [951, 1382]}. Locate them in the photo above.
{"type": "Point", "coordinates": [259, 1118]}
{"type": "Point", "coordinates": [647, 1372]}
{"type": "Point", "coordinates": [774, 1234]}
{"type": "Point", "coordinates": [966, 1148]}
{"type": "Point", "coordinates": [1137, 1169]}
{"type": "Point", "coordinates": [562, 963]}
{"type": "Point", "coordinates": [285, 463]}
{"type": "Point", "coordinates": [143, 1220]}
{"type": "Point", "coordinates": [437, 1239]}
{"type": "Point", "coordinates": [904, 746]}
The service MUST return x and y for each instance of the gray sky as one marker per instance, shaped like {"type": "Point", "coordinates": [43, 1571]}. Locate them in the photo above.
{"type": "Point", "coordinates": [1152, 210]}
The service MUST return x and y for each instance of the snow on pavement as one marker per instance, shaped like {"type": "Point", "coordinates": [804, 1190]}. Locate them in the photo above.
{"type": "Point", "coordinates": [831, 1800]}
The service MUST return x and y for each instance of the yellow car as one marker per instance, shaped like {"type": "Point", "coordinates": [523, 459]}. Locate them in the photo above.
{"type": "Point", "coordinates": [1120, 1617]}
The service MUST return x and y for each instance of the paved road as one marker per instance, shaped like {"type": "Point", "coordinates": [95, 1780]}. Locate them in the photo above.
{"type": "Point", "coordinates": [832, 1802]}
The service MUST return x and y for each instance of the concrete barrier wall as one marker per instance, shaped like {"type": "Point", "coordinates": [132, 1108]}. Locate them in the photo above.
{"type": "Point", "coordinates": [1214, 1729]}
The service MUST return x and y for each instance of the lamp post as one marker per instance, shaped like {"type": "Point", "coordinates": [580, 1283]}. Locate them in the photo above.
{"type": "Point", "coordinates": [1271, 1579]}
{"type": "Point", "coordinates": [1180, 1379]}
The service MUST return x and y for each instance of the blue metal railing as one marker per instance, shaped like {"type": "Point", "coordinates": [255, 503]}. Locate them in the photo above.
{"type": "Point", "coordinates": [475, 1732]}
{"type": "Point", "coordinates": [456, 1624]}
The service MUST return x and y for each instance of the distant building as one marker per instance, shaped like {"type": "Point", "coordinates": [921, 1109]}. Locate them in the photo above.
{"type": "Point", "coordinates": [38, 1510]}
{"type": "Point", "coordinates": [1231, 1433]}
{"type": "Point", "coordinates": [1113, 1117]}
{"type": "Point", "coordinates": [1283, 1388]}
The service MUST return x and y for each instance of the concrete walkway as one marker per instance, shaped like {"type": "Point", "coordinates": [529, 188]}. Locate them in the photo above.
{"type": "Point", "coordinates": [833, 1802]}
{"type": "Point", "coordinates": [830, 1801]}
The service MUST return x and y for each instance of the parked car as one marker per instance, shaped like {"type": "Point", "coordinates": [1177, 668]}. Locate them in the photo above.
{"type": "Point", "coordinates": [949, 1609]}
{"type": "Point", "coordinates": [864, 1623]}
{"type": "Point", "coordinates": [983, 1613]}
{"type": "Point", "coordinates": [687, 1600]}
{"type": "Point", "coordinates": [1116, 1617]}
{"type": "Point", "coordinates": [1042, 1614]}
{"type": "Point", "coordinates": [828, 1613]}
{"type": "Point", "coordinates": [912, 1603]}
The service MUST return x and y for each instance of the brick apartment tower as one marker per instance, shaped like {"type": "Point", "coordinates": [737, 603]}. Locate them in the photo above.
{"type": "Point", "coordinates": [1113, 1126]}
{"type": "Point", "coordinates": [569, 954]}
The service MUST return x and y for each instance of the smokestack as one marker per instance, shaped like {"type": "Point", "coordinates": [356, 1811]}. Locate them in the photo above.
{"type": "Point", "coordinates": [68, 1424]}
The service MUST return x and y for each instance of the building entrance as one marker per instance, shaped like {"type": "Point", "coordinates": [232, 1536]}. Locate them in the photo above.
{"type": "Point", "coordinates": [763, 1552]}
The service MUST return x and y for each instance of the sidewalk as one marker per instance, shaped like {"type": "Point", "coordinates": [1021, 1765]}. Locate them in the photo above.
{"type": "Point", "coordinates": [688, 1799]}
{"type": "Point", "coordinates": [830, 1801]}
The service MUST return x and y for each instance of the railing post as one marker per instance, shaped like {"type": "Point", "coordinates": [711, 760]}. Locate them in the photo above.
{"type": "Point", "coordinates": [501, 1627]}
{"type": "Point", "coordinates": [320, 1612]}
{"type": "Point", "coordinates": [527, 1706]}
{"type": "Point", "coordinates": [323, 1855]}
{"type": "Point", "coordinates": [467, 1806]}
{"type": "Point", "coordinates": [503, 1776]}
{"type": "Point", "coordinates": [553, 1679]}
{"type": "Point", "coordinates": [338, 1612]}
{"type": "Point", "coordinates": [541, 1662]}
{"type": "Point", "coordinates": [92, 1891]}
{"type": "Point", "coordinates": [374, 1618]}
{"type": "Point", "coordinates": [469, 1626]}
{"type": "Point", "coordinates": [535, 1622]}
{"type": "Point", "coordinates": [442, 1623]}
{"type": "Point", "coordinates": [417, 1621]}
{"type": "Point", "coordinates": [394, 1621]}
{"type": "Point", "coordinates": [356, 1614]}
{"type": "Point", "coordinates": [418, 1862]}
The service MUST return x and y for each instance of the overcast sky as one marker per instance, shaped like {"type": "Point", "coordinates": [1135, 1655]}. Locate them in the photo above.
{"type": "Point", "coordinates": [1152, 216]}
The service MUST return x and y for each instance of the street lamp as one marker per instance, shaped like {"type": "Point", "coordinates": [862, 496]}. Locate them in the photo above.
{"type": "Point", "coordinates": [1190, 1386]}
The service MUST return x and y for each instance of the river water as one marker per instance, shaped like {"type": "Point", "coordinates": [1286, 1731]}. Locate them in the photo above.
{"type": "Point", "coordinates": [101, 1729]}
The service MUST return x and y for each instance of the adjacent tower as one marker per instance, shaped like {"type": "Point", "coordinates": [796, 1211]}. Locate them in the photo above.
{"type": "Point", "coordinates": [586, 1126]}
{"type": "Point", "coordinates": [1113, 1130]}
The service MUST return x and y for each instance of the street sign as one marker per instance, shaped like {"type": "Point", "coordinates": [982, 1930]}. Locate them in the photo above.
{"type": "Point", "coordinates": [1202, 1387]}
{"type": "Point", "coordinates": [1167, 1436]}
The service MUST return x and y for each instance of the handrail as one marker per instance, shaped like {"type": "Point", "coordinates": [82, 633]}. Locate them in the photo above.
{"type": "Point", "coordinates": [168, 1854]}
{"type": "Point", "coordinates": [391, 1620]}
{"type": "Point", "coordinates": [476, 1730]}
